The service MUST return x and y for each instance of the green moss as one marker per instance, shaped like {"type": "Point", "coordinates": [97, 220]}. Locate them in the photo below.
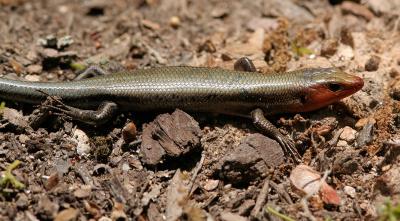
{"type": "Point", "coordinates": [389, 211]}
{"type": "Point", "coordinates": [9, 178]}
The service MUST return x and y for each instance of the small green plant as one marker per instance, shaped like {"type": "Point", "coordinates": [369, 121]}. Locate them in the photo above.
{"type": "Point", "coordinates": [300, 51]}
{"type": "Point", "coordinates": [9, 179]}
{"type": "Point", "coordinates": [272, 211]}
{"type": "Point", "coordinates": [389, 212]}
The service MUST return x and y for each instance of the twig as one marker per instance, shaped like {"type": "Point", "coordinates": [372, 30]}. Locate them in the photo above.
{"type": "Point", "coordinates": [196, 171]}
{"type": "Point", "coordinates": [306, 211]}
{"type": "Point", "coordinates": [261, 198]}
{"type": "Point", "coordinates": [281, 192]}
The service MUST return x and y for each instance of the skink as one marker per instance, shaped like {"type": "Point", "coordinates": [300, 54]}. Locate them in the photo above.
{"type": "Point", "coordinates": [238, 92]}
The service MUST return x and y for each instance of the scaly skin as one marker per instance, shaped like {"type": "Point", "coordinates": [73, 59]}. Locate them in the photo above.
{"type": "Point", "coordinates": [241, 93]}
{"type": "Point", "coordinates": [196, 89]}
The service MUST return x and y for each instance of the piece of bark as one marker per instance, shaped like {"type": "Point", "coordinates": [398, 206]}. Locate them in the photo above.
{"type": "Point", "coordinates": [171, 135]}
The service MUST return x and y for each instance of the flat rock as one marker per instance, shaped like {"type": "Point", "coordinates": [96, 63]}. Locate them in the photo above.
{"type": "Point", "coordinates": [169, 135]}
{"type": "Point", "coordinates": [288, 9]}
{"type": "Point", "coordinates": [346, 162]}
{"type": "Point", "coordinates": [388, 183]}
{"type": "Point", "coordinates": [250, 159]}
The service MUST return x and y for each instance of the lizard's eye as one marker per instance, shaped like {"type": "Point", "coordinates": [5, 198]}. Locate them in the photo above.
{"type": "Point", "coordinates": [334, 87]}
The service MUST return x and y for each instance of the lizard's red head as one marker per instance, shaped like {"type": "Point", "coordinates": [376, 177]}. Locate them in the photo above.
{"type": "Point", "coordinates": [328, 86]}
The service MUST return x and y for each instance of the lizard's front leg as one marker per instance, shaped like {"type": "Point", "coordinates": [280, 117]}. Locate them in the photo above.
{"type": "Point", "coordinates": [270, 130]}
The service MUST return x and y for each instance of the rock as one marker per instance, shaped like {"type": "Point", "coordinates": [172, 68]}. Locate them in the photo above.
{"type": "Point", "coordinates": [388, 183]}
{"type": "Point", "coordinates": [82, 141]}
{"type": "Point", "coordinates": [348, 134]}
{"type": "Point", "coordinates": [364, 121]}
{"type": "Point", "coordinates": [395, 91]}
{"type": "Point", "coordinates": [129, 132]}
{"type": "Point", "coordinates": [228, 216]}
{"type": "Point", "coordinates": [46, 208]}
{"type": "Point", "coordinates": [150, 24]}
{"type": "Point", "coordinates": [32, 78]}
{"type": "Point", "coordinates": [342, 143]}
{"type": "Point", "coordinates": [53, 58]}
{"type": "Point", "coordinates": [23, 138]}
{"type": "Point", "coordinates": [329, 47]}
{"type": "Point", "coordinates": [373, 63]}
{"type": "Point", "coordinates": [392, 153]}
{"type": "Point", "coordinates": [69, 214]}
{"type": "Point", "coordinates": [288, 9]}
{"type": "Point", "coordinates": [380, 7]}
{"type": "Point", "coordinates": [83, 192]}
{"type": "Point", "coordinates": [49, 53]}
{"type": "Point", "coordinates": [345, 162]}
{"type": "Point", "coordinates": [175, 21]}
{"type": "Point", "coordinates": [268, 24]}
{"type": "Point", "coordinates": [220, 11]}
{"type": "Point", "coordinates": [50, 41]}
{"type": "Point", "coordinates": [211, 185]}
{"type": "Point", "coordinates": [171, 135]}
{"type": "Point", "coordinates": [350, 191]}
{"type": "Point", "coordinates": [152, 195]}
{"type": "Point", "coordinates": [344, 53]}
{"type": "Point", "coordinates": [357, 9]}
{"type": "Point", "coordinates": [64, 42]}
{"type": "Point", "coordinates": [346, 37]}
{"type": "Point", "coordinates": [366, 135]}
{"type": "Point", "coordinates": [250, 159]}
{"type": "Point", "coordinates": [34, 69]}
{"type": "Point", "coordinates": [62, 166]}
{"type": "Point", "coordinates": [22, 201]}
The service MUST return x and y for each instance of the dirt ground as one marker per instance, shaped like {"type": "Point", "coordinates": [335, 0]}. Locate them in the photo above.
{"type": "Point", "coordinates": [210, 167]}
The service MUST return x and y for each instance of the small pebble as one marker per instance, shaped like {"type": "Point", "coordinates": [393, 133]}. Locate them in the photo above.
{"type": "Point", "coordinates": [211, 185]}
{"type": "Point", "coordinates": [350, 191]}
{"type": "Point", "coordinates": [175, 21]}
{"type": "Point", "coordinates": [346, 37]}
{"type": "Point", "coordinates": [363, 121]}
{"type": "Point", "coordinates": [348, 134]}
{"type": "Point", "coordinates": [34, 69]}
{"type": "Point", "coordinates": [83, 192]}
{"type": "Point", "coordinates": [82, 140]}
{"type": "Point", "coordinates": [342, 143]}
{"type": "Point", "coordinates": [329, 47]}
{"type": "Point", "coordinates": [394, 72]}
{"type": "Point", "coordinates": [125, 167]}
{"type": "Point", "coordinates": [33, 78]}
{"type": "Point", "coordinates": [23, 138]}
{"type": "Point", "coordinates": [49, 53]}
{"type": "Point", "coordinates": [129, 132]}
{"type": "Point", "coordinates": [372, 63]}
